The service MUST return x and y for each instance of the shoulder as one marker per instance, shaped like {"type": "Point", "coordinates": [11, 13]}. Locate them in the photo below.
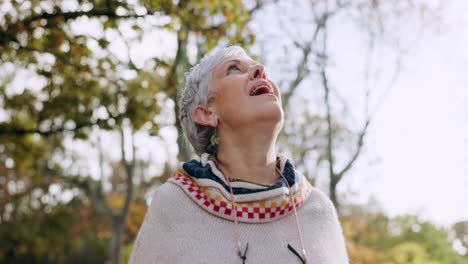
{"type": "Point", "coordinates": [161, 220]}
{"type": "Point", "coordinates": [321, 198]}
{"type": "Point", "coordinates": [167, 191]}
{"type": "Point", "coordinates": [319, 203]}
{"type": "Point", "coordinates": [323, 222]}
{"type": "Point", "coordinates": [316, 199]}
{"type": "Point", "coordinates": [166, 197]}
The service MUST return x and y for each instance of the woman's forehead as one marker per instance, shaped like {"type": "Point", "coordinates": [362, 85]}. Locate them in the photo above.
{"type": "Point", "coordinates": [234, 58]}
{"type": "Point", "coordinates": [237, 57]}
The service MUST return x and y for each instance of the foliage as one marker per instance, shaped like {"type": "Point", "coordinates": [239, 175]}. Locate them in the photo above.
{"type": "Point", "coordinates": [62, 234]}
{"type": "Point", "coordinates": [377, 238]}
{"type": "Point", "coordinates": [63, 78]}
{"type": "Point", "coordinates": [460, 231]}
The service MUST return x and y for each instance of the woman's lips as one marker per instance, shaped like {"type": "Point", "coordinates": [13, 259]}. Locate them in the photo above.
{"type": "Point", "coordinates": [261, 86]}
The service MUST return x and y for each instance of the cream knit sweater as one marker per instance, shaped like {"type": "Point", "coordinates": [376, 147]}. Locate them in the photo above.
{"type": "Point", "coordinates": [190, 220]}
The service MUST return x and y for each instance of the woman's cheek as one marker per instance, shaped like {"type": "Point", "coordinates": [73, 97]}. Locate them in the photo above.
{"type": "Point", "coordinates": [275, 88]}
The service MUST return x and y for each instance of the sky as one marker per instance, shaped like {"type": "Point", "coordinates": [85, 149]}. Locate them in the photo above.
{"type": "Point", "coordinates": [421, 133]}
{"type": "Point", "coordinates": [419, 136]}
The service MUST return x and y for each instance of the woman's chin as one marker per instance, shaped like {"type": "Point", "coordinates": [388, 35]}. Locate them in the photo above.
{"type": "Point", "coordinates": [272, 113]}
{"type": "Point", "coordinates": [267, 112]}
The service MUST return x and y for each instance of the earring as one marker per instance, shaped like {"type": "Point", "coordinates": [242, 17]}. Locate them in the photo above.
{"type": "Point", "coordinates": [214, 142]}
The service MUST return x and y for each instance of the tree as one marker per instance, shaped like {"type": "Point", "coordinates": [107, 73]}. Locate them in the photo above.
{"type": "Point", "coordinates": [324, 132]}
{"type": "Point", "coordinates": [83, 86]}
{"type": "Point", "coordinates": [460, 230]}
{"type": "Point", "coordinates": [373, 237]}
{"type": "Point", "coordinates": [436, 240]}
{"type": "Point", "coordinates": [64, 233]}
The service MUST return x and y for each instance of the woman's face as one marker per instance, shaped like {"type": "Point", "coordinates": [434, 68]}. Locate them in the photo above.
{"type": "Point", "coordinates": [244, 94]}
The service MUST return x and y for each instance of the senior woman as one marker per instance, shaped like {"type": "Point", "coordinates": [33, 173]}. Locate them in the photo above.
{"type": "Point", "coordinates": [240, 201]}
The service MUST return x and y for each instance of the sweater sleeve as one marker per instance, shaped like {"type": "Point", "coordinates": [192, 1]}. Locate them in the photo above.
{"type": "Point", "coordinates": [329, 227]}
{"type": "Point", "coordinates": [147, 231]}
{"type": "Point", "coordinates": [337, 231]}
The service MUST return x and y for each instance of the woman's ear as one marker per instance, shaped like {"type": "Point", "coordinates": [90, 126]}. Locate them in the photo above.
{"type": "Point", "coordinates": [205, 116]}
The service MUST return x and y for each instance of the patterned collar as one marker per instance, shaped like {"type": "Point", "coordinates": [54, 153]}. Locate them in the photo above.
{"type": "Point", "coordinates": [204, 183]}
{"type": "Point", "coordinates": [204, 170]}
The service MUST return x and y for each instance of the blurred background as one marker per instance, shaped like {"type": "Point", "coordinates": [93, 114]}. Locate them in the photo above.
{"type": "Point", "coordinates": [376, 106]}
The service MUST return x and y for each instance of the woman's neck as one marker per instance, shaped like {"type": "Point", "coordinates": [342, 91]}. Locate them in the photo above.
{"type": "Point", "coordinates": [248, 156]}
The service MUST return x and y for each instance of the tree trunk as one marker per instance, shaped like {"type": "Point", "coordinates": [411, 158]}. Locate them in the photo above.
{"type": "Point", "coordinates": [116, 240]}
{"type": "Point", "coordinates": [333, 193]}
{"type": "Point", "coordinates": [118, 220]}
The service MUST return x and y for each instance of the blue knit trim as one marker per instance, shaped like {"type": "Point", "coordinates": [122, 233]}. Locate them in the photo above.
{"type": "Point", "coordinates": [195, 169]}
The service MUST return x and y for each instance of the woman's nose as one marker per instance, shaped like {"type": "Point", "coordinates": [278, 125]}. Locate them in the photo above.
{"type": "Point", "coordinates": [257, 71]}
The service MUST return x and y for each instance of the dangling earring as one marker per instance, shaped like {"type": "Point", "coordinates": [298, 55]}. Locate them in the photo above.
{"type": "Point", "coordinates": [214, 142]}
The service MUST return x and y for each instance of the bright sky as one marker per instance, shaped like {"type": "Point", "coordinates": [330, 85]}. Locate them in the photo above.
{"type": "Point", "coordinates": [421, 130]}
{"type": "Point", "coordinates": [420, 134]}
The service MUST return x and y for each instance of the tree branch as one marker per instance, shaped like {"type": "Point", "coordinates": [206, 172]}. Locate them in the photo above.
{"type": "Point", "coordinates": [11, 130]}
{"type": "Point", "coordinates": [72, 15]}
{"type": "Point", "coordinates": [130, 171]}
{"type": "Point", "coordinates": [171, 79]}
{"type": "Point", "coordinates": [258, 5]}
{"type": "Point", "coordinates": [360, 144]}
{"type": "Point", "coordinates": [302, 69]}
{"type": "Point", "coordinates": [329, 121]}
{"type": "Point", "coordinates": [301, 72]}
{"type": "Point", "coordinates": [99, 190]}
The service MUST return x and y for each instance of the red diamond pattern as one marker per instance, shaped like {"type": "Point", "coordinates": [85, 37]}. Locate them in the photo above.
{"type": "Point", "coordinates": [248, 212]}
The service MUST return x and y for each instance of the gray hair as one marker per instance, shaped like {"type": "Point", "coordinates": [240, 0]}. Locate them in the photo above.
{"type": "Point", "coordinates": [197, 92]}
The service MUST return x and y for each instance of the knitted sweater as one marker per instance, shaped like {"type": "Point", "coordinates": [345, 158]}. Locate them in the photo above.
{"type": "Point", "coordinates": [191, 220]}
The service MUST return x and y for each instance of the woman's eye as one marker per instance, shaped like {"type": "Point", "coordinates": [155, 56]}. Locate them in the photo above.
{"type": "Point", "coordinates": [233, 68]}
